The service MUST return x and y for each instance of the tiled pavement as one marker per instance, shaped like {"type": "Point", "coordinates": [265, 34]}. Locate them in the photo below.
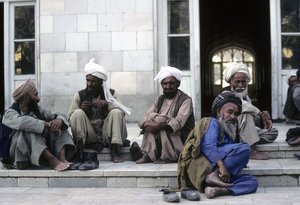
{"type": "Point", "coordinates": [137, 196]}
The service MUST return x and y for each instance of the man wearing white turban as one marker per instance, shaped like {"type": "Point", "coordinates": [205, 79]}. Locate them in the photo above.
{"type": "Point", "coordinates": [96, 117]}
{"type": "Point", "coordinates": [291, 109]}
{"type": "Point", "coordinates": [251, 118]}
{"type": "Point", "coordinates": [168, 121]}
{"type": "Point", "coordinates": [37, 134]}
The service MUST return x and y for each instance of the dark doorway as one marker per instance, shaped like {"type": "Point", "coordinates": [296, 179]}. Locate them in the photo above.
{"type": "Point", "coordinates": [2, 58]}
{"type": "Point", "coordinates": [245, 24]}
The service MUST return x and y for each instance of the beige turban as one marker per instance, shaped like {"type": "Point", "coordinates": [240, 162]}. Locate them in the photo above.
{"type": "Point", "coordinates": [26, 88]}
{"type": "Point", "coordinates": [92, 68]}
{"type": "Point", "coordinates": [234, 68]}
{"type": "Point", "coordinates": [167, 71]}
{"type": "Point", "coordinates": [97, 70]}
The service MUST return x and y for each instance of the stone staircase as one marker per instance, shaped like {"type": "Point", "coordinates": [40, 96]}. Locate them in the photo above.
{"type": "Point", "coordinates": [282, 170]}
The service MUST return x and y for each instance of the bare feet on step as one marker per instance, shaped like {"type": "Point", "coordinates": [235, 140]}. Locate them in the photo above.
{"type": "Point", "coordinates": [213, 179]}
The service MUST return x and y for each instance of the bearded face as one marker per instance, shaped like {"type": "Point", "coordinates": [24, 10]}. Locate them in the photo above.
{"type": "Point", "coordinates": [170, 87]}
{"type": "Point", "coordinates": [227, 118]}
{"type": "Point", "coordinates": [229, 127]}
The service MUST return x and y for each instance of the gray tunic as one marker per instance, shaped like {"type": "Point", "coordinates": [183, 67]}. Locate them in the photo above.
{"type": "Point", "coordinates": [29, 141]}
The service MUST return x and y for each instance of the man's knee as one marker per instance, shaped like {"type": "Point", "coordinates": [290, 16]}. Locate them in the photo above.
{"type": "Point", "coordinates": [78, 113]}
{"type": "Point", "coordinates": [116, 113]}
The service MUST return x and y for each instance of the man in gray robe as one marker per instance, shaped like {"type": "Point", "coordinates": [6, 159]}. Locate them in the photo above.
{"type": "Point", "coordinates": [168, 121]}
{"type": "Point", "coordinates": [97, 119]}
{"type": "Point", "coordinates": [250, 129]}
{"type": "Point", "coordinates": [38, 135]}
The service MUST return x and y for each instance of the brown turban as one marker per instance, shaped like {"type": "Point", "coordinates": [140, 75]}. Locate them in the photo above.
{"type": "Point", "coordinates": [26, 88]}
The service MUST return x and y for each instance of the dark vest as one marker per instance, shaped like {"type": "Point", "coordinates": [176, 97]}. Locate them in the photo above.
{"type": "Point", "coordinates": [190, 123]}
{"type": "Point", "coordinates": [290, 110]}
{"type": "Point", "coordinates": [86, 95]}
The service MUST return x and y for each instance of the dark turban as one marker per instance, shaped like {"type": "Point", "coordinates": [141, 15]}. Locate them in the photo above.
{"type": "Point", "coordinates": [222, 99]}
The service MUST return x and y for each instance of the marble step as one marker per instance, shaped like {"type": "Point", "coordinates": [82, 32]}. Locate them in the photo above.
{"type": "Point", "coordinates": [273, 172]}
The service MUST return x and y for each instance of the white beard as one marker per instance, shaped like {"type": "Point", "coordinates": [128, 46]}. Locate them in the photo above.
{"type": "Point", "coordinates": [229, 127]}
{"type": "Point", "coordinates": [242, 94]}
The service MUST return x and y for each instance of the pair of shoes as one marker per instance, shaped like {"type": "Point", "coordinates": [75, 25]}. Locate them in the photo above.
{"type": "Point", "coordinates": [87, 161]}
{"type": "Point", "coordinates": [171, 197]}
{"type": "Point", "coordinates": [91, 162]}
{"type": "Point", "coordinates": [190, 194]}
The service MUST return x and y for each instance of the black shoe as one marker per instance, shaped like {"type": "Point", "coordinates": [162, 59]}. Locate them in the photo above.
{"type": "Point", "coordinates": [81, 160]}
{"type": "Point", "coordinates": [171, 197]}
{"type": "Point", "coordinates": [190, 194]}
{"type": "Point", "coordinates": [91, 162]}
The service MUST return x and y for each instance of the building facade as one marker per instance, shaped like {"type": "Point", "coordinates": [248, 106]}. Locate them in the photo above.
{"type": "Point", "coordinates": [50, 41]}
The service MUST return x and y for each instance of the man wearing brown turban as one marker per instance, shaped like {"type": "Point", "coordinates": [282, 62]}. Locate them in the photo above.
{"type": "Point", "coordinates": [38, 135]}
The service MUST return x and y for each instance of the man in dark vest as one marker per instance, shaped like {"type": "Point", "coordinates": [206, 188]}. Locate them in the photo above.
{"type": "Point", "coordinates": [168, 121]}
{"type": "Point", "coordinates": [291, 109]}
{"type": "Point", "coordinates": [96, 117]}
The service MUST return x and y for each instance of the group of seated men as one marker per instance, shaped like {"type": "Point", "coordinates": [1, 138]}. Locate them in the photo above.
{"type": "Point", "coordinates": [96, 120]}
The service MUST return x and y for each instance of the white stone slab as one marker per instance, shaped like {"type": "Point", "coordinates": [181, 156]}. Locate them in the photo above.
{"type": "Point", "coordinates": [141, 60]}
{"type": "Point", "coordinates": [87, 23]}
{"type": "Point", "coordinates": [124, 82]}
{"type": "Point", "coordinates": [138, 21]}
{"type": "Point", "coordinates": [76, 6]}
{"type": "Point", "coordinates": [51, 7]}
{"type": "Point", "coordinates": [145, 40]}
{"type": "Point", "coordinates": [99, 41]}
{"type": "Point", "coordinates": [64, 23]}
{"type": "Point", "coordinates": [144, 5]}
{"type": "Point", "coordinates": [46, 24]}
{"type": "Point", "coordinates": [123, 40]}
{"type": "Point", "coordinates": [52, 42]}
{"type": "Point", "coordinates": [110, 22]}
{"type": "Point", "coordinates": [119, 6]}
{"type": "Point", "coordinates": [47, 62]}
{"type": "Point", "coordinates": [77, 41]}
{"type": "Point", "coordinates": [65, 62]}
{"type": "Point", "coordinates": [98, 6]}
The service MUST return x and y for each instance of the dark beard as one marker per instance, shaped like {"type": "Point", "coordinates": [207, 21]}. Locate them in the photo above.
{"type": "Point", "coordinates": [228, 127]}
{"type": "Point", "coordinates": [34, 107]}
{"type": "Point", "coordinates": [170, 95]}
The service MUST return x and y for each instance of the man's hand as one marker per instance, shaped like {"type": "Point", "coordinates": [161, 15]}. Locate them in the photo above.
{"type": "Point", "coordinates": [85, 106]}
{"type": "Point", "coordinates": [99, 103]}
{"type": "Point", "coordinates": [54, 125]}
{"type": "Point", "coordinates": [151, 127]}
{"type": "Point", "coordinates": [266, 120]}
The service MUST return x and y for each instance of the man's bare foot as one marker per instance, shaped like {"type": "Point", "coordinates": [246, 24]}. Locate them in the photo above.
{"type": "Point", "coordinates": [116, 158]}
{"type": "Point", "coordinates": [61, 166]}
{"type": "Point", "coordinates": [212, 192]}
{"type": "Point", "coordinates": [213, 179]}
{"type": "Point", "coordinates": [258, 155]}
{"type": "Point", "coordinates": [144, 159]}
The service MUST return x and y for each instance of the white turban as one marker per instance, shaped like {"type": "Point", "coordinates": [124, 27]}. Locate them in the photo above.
{"type": "Point", "coordinates": [167, 71]}
{"type": "Point", "coordinates": [289, 75]}
{"type": "Point", "coordinates": [94, 69]}
{"type": "Point", "coordinates": [234, 68]}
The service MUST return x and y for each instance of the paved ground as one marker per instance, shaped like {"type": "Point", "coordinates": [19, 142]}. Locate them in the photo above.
{"type": "Point", "coordinates": [132, 196]}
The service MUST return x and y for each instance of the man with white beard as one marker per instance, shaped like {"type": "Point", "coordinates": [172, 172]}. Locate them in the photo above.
{"type": "Point", "coordinates": [213, 156]}
{"type": "Point", "coordinates": [238, 76]}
